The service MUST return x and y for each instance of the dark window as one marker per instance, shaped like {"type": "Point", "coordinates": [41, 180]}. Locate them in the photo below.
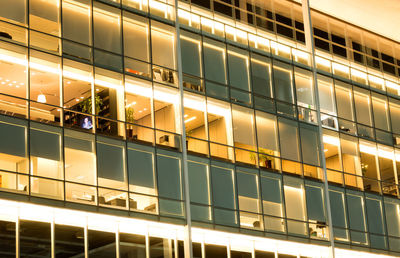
{"type": "Point", "coordinates": [281, 29]}
{"type": "Point", "coordinates": [223, 8]}
{"type": "Point", "coordinates": [319, 35]}
{"type": "Point", "coordinates": [358, 57]}
{"type": "Point", "coordinates": [387, 67]}
{"type": "Point", "coordinates": [203, 3]}
{"type": "Point", "coordinates": [337, 48]}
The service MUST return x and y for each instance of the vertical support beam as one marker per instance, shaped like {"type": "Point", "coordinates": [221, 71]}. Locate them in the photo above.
{"type": "Point", "coordinates": [117, 242]}
{"type": "Point", "coordinates": [86, 239]}
{"type": "Point", "coordinates": [311, 49]}
{"type": "Point", "coordinates": [188, 226]}
{"type": "Point", "coordinates": [52, 239]}
{"type": "Point", "coordinates": [17, 234]}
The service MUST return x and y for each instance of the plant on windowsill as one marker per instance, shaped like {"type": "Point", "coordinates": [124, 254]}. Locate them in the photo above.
{"type": "Point", "coordinates": [130, 118]}
{"type": "Point", "coordinates": [264, 157]}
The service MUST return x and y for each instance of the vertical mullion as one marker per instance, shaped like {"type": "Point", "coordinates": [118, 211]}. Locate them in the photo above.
{"type": "Point", "coordinates": [188, 226]}
{"type": "Point", "coordinates": [311, 48]}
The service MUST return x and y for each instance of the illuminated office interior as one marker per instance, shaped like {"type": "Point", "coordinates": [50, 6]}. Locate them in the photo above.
{"type": "Point", "coordinates": [109, 120]}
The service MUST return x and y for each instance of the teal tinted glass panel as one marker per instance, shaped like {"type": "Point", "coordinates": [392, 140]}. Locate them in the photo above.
{"type": "Point", "coordinates": [45, 144]}
{"type": "Point", "coordinates": [198, 183]}
{"type": "Point", "coordinates": [169, 177]}
{"type": "Point", "coordinates": [223, 188]}
{"type": "Point", "coordinates": [315, 203]}
{"type": "Point", "coordinates": [13, 139]}
{"type": "Point", "coordinates": [140, 167]}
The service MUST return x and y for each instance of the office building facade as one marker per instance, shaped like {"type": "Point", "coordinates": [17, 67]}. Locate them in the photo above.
{"type": "Point", "coordinates": [219, 128]}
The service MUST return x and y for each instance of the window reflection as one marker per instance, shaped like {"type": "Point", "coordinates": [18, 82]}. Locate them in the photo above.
{"type": "Point", "coordinates": [107, 22]}
{"type": "Point", "coordinates": [248, 198]}
{"type": "Point", "coordinates": [80, 158]}
{"type": "Point", "coordinates": [295, 205]}
{"type": "Point", "coordinates": [136, 44]}
{"type": "Point", "coordinates": [45, 17]}
{"type": "Point", "coordinates": [13, 148]}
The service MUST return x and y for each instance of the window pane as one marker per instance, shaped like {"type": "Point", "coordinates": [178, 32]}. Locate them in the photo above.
{"type": "Point", "coordinates": [45, 86]}
{"type": "Point", "coordinates": [261, 75]}
{"type": "Point", "coordinates": [111, 163]}
{"type": "Point", "coordinates": [163, 45]}
{"type": "Point", "coordinates": [45, 17]}
{"type": "Point", "coordinates": [13, 147]}
{"type": "Point", "coordinates": [169, 176]}
{"type": "Point", "coordinates": [136, 37]}
{"type": "Point", "coordinates": [283, 82]}
{"type": "Point", "coordinates": [243, 127]}
{"type": "Point", "coordinates": [198, 182]}
{"type": "Point", "coordinates": [394, 115]}
{"type": "Point", "coordinates": [363, 110]}
{"type": "Point", "coordinates": [80, 157]}
{"type": "Point", "coordinates": [350, 155]}
{"type": "Point", "coordinates": [109, 102]}
{"type": "Point", "coordinates": [238, 62]}
{"type": "Point", "coordinates": [272, 203]}
{"type": "Point", "coordinates": [101, 244]}
{"type": "Point", "coordinates": [267, 133]}
{"type": "Point", "coordinates": [380, 107]}
{"type": "Point", "coordinates": [288, 135]}
{"type": "Point", "coordinates": [310, 144]}
{"type": "Point", "coordinates": [69, 241]}
{"type": "Point", "coordinates": [248, 191]}
{"type": "Point", "coordinates": [295, 205]}
{"type": "Point", "coordinates": [35, 237]}
{"type": "Point", "coordinates": [14, 10]}
{"type": "Point", "coordinates": [132, 245]}
{"type": "Point", "coordinates": [166, 113]}
{"type": "Point", "coordinates": [344, 100]}
{"type": "Point", "coordinates": [355, 206]}
{"type": "Point", "coordinates": [138, 109]}
{"type": "Point", "coordinates": [7, 238]}
{"type": "Point", "coordinates": [304, 88]}
{"type": "Point", "coordinates": [223, 187]}
{"type": "Point", "coordinates": [45, 151]}
{"type": "Point", "coordinates": [14, 77]}
{"type": "Point", "coordinates": [141, 170]}
{"type": "Point", "coordinates": [191, 54]}
{"type": "Point", "coordinates": [214, 61]}
{"type": "Point", "coordinates": [338, 214]}
{"type": "Point", "coordinates": [326, 96]}
{"type": "Point", "coordinates": [315, 204]}
{"type": "Point", "coordinates": [392, 208]}
{"type": "Point", "coordinates": [375, 222]}
{"type": "Point", "coordinates": [77, 14]}
{"type": "Point", "coordinates": [161, 247]}
{"type": "Point", "coordinates": [107, 22]}
{"type": "Point", "coordinates": [77, 92]}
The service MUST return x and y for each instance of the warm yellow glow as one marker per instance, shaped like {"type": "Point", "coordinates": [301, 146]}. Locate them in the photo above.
{"type": "Point", "coordinates": [358, 74]}
{"type": "Point", "coordinates": [190, 119]}
{"type": "Point", "coordinates": [375, 79]}
{"type": "Point", "coordinates": [11, 210]}
{"type": "Point", "coordinates": [331, 140]}
{"type": "Point", "coordinates": [323, 61]}
{"type": "Point", "coordinates": [340, 67]}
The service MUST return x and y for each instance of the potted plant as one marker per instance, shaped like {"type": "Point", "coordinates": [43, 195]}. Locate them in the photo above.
{"type": "Point", "coordinates": [86, 105]}
{"type": "Point", "coordinates": [264, 157]}
{"type": "Point", "coordinates": [130, 118]}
